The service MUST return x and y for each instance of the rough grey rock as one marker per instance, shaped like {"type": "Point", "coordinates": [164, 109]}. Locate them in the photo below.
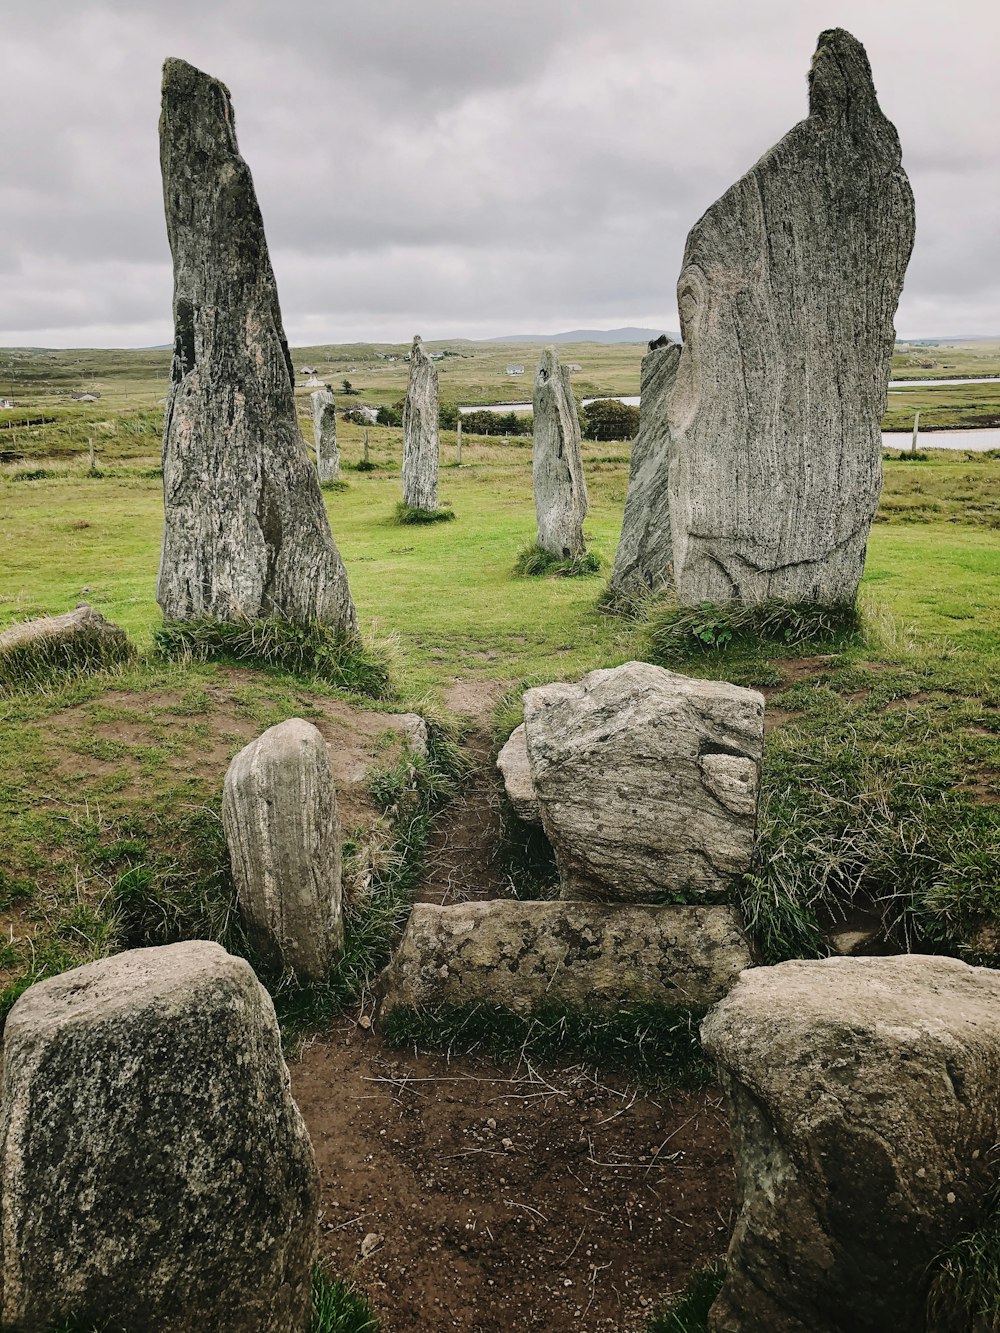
{"type": "Point", "coordinates": [863, 1099]}
{"type": "Point", "coordinates": [556, 462]}
{"type": "Point", "coordinates": [512, 761]}
{"type": "Point", "coordinates": [324, 413]}
{"type": "Point", "coordinates": [647, 781]}
{"type": "Point", "coordinates": [645, 556]}
{"type": "Point", "coordinates": [245, 532]}
{"type": "Point", "coordinates": [592, 956]}
{"type": "Point", "coordinates": [279, 811]}
{"type": "Point", "coordinates": [155, 1172]}
{"type": "Point", "coordinates": [414, 728]}
{"type": "Point", "coordinates": [421, 445]}
{"type": "Point", "coordinates": [67, 633]}
{"type": "Point", "coordinates": [787, 294]}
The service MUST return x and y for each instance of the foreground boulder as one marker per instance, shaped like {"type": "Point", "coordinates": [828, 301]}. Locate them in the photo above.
{"type": "Point", "coordinates": [647, 781]}
{"type": "Point", "coordinates": [279, 811]}
{"type": "Point", "coordinates": [324, 414]}
{"type": "Point", "coordinates": [421, 438]}
{"type": "Point", "coordinates": [519, 785]}
{"type": "Point", "coordinates": [863, 1099]}
{"type": "Point", "coordinates": [155, 1172]}
{"type": "Point", "coordinates": [644, 559]}
{"type": "Point", "coordinates": [556, 462]}
{"type": "Point", "coordinates": [587, 956]}
{"type": "Point", "coordinates": [76, 638]}
{"type": "Point", "coordinates": [245, 532]}
{"type": "Point", "coordinates": [787, 295]}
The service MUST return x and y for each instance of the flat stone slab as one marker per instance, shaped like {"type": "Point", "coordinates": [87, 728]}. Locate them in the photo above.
{"type": "Point", "coordinates": [587, 956]}
{"type": "Point", "coordinates": [519, 785]}
{"type": "Point", "coordinates": [49, 632]}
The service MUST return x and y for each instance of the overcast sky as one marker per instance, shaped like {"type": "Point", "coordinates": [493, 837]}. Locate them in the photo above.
{"type": "Point", "coordinates": [464, 167]}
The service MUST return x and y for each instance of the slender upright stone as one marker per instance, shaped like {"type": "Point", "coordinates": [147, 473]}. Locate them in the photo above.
{"type": "Point", "coordinates": [556, 461]}
{"type": "Point", "coordinates": [245, 531]}
{"type": "Point", "coordinates": [787, 295]}
{"type": "Point", "coordinates": [324, 412]}
{"type": "Point", "coordinates": [420, 433]}
{"type": "Point", "coordinates": [644, 559]}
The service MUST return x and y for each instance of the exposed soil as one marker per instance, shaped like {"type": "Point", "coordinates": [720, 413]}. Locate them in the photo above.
{"type": "Point", "coordinates": [462, 1195]}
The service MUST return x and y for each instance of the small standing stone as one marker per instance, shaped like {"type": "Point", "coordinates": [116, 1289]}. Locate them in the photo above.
{"type": "Point", "coordinates": [512, 761]}
{"type": "Point", "coordinates": [556, 462]}
{"type": "Point", "coordinates": [279, 810]}
{"type": "Point", "coordinates": [421, 445]}
{"type": "Point", "coordinates": [324, 413]}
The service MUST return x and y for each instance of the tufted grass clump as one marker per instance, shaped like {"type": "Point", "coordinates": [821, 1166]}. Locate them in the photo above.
{"type": "Point", "coordinates": [965, 1289]}
{"type": "Point", "coordinates": [42, 661]}
{"type": "Point", "coordinates": [312, 648]}
{"type": "Point", "coordinates": [407, 515]}
{"type": "Point", "coordinates": [676, 634]}
{"type": "Point", "coordinates": [535, 562]}
{"type": "Point", "coordinates": [338, 1307]}
{"type": "Point", "coordinates": [688, 1312]}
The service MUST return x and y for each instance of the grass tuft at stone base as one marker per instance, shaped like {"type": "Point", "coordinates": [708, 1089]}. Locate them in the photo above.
{"type": "Point", "coordinates": [534, 562]}
{"type": "Point", "coordinates": [337, 1307]}
{"type": "Point", "coordinates": [688, 1312]}
{"type": "Point", "coordinates": [677, 633]}
{"type": "Point", "coordinates": [406, 515]}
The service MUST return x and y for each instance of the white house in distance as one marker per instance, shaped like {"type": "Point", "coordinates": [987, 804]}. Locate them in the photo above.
{"type": "Point", "coordinates": [6, 402]}
{"type": "Point", "coordinates": [515, 370]}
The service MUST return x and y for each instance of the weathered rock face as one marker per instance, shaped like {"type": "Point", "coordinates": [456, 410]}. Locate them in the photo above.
{"type": "Point", "coordinates": [324, 411]}
{"type": "Point", "coordinates": [521, 955]}
{"type": "Point", "coordinates": [863, 1096]}
{"type": "Point", "coordinates": [153, 1162]}
{"type": "Point", "coordinates": [644, 559]}
{"type": "Point", "coordinates": [512, 761]}
{"type": "Point", "coordinates": [421, 446]}
{"type": "Point", "coordinates": [245, 531]}
{"type": "Point", "coordinates": [279, 811]}
{"type": "Point", "coordinates": [647, 781]}
{"type": "Point", "coordinates": [70, 637]}
{"type": "Point", "coordinates": [556, 463]}
{"type": "Point", "coordinates": [787, 295]}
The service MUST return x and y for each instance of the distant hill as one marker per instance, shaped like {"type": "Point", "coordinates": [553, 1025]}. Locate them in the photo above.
{"type": "Point", "coordinates": [588, 336]}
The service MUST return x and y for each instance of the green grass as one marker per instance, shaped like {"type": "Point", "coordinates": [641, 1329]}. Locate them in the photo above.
{"type": "Point", "coordinates": [409, 516]}
{"type": "Point", "coordinates": [676, 633]}
{"type": "Point", "coordinates": [965, 1288]}
{"type": "Point", "coordinates": [534, 562]}
{"type": "Point", "coordinates": [31, 665]}
{"type": "Point", "coordinates": [688, 1312]}
{"type": "Point", "coordinates": [337, 1307]}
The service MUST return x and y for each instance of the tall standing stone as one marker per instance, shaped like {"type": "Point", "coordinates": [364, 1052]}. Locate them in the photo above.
{"type": "Point", "coordinates": [155, 1172]}
{"type": "Point", "coordinates": [324, 414]}
{"type": "Point", "coordinates": [644, 559]}
{"type": "Point", "coordinates": [420, 433]}
{"type": "Point", "coordinates": [245, 530]}
{"type": "Point", "coordinates": [556, 461]}
{"type": "Point", "coordinates": [787, 294]}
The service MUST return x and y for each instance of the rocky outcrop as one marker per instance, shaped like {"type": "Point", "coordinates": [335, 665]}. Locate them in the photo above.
{"type": "Point", "coordinates": [556, 462]}
{"type": "Point", "coordinates": [519, 785]}
{"type": "Point", "coordinates": [245, 532]}
{"type": "Point", "coordinates": [787, 295]}
{"type": "Point", "coordinates": [73, 639]}
{"type": "Point", "coordinates": [644, 559]}
{"type": "Point", "coordinates": [862, 1094]}
{"type": "Point", "coordinates": [587, 956]}
{"type": "Point", "coordinates": [421, 445]}
{"type": "Point", "coordinates": [647, 781]}
{"type": "Point", "coordinates": [279, 811]}
{"type": "Point", "coordinates": [324, 415]}
{"type": "Point", "coordinates": [154, 1170]}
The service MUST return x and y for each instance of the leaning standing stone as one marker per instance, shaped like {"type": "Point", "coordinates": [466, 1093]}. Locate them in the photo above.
{"type": "Point", "coordinates": [787, 295]}
{"type": "Point", "coordinates": [420, 433]}
{"type": "Point", "coordinates": [279, 811]}
{"type": "Point", "coordinates": [644, 559]}
{"type": "Point", "coordinates": [556, 462]}
{"type": "Point", "coordinates": [862, 1094]}
{"type": "Point", "coordinates": [155, 1172]}
{"type": "Point", "coordinates": [324, 411]}
{"type": "Point", "coordinates": [245, 531]}
{"type": "Point", "coordinates": [647, 781]}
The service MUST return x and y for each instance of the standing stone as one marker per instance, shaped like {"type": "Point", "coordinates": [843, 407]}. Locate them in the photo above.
{"type": "Point", "coordinates": [556, 461]}
{"type": "Point", "coordinates": [787, 295]}
{"type": "Point", "coordinates": [155, 1172]}
{"type": "Point", "coordinates": [644, 559]}
{"type": "Point", "coordinates": [420, 433]}
{"type": "Point", "coordinates": [279, 811]}
{"type": "Point", "coordinates": [862, 1094]}
{"type": "Point", "coordinates": [245, 530]}
{"type": "Point", "coordinates": [324, 413]}
{"type": "Point", "coordinates": [647, 781]}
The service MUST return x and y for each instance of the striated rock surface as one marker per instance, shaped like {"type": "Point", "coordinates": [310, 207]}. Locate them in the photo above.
{"type": "Point", "coordinates": [556, 462]}
{"type": "Point", "coordinates": [324, 414]}
{"type": "Point", "coordinates": [512, 761]}
{"type": "Point", "coordinates": [647, 781]}
{"type": "Point", "coordinates": [521, 955]}
{"type": "Point", "coordinates": [863, 1096]}
{"type": "Point", "coordinates": [787, 295]}
{"type": "Point", "coordinates": [644, 559]}
{"type": "Point", "coordinates": [421, 446]}
{"type": "Point", "coordinates": [279, 811]}
{"type": "Point", "coordinates": [245, 532]}
{"type": "Point", "coordinates": [155, 1172]}
{"type": "Point", "coordinates": [69, 636]}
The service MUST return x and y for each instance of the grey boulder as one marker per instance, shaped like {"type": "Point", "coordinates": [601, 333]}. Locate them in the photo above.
{"type": "Point", "coordinates": [556, 461]}
{"type": "Point", "coordinates": [519, 785]}
{"type": "Point", "coordinates": [67, 639]}
{"type": "Point", "coordinates": [155, 1172]}
{"type": "Point", "coordinates": [324, 415]}
{"type": "Point", "coordinates": [421, 441]}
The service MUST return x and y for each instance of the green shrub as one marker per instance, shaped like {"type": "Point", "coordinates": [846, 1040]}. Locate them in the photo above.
{"type": "Point", "coordinates": [534, 561]}
{"type": "Point", "coordinates": [406, 515]}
